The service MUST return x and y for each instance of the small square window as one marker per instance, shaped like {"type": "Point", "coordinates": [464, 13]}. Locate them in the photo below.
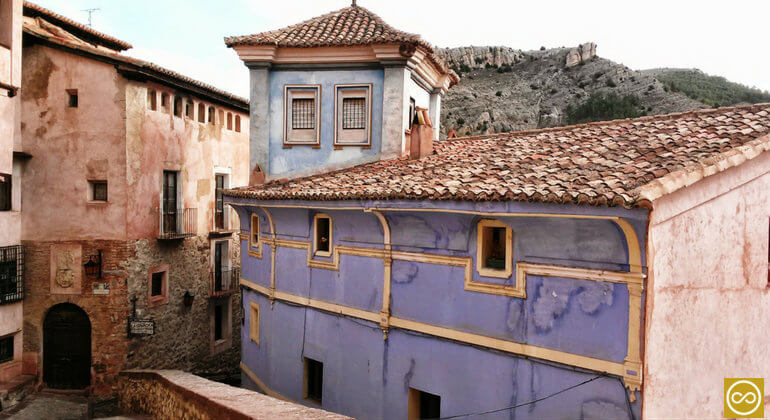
{"type": "Point", "coordinates": [98, 190]}
{"type": "Point", "coordinates": [5, 192]}
{"type": "Point", "coordinates": [352, 117]}
{"type": "Point", "coordinates": [157, 284]}
{"type": "Point", "coordinates": [494, 252]}
{"type": "Point", "coordinates": [423, 405]}
{"type": "Point", "coordinates": [314, 379]}
{"type": "Point", "coordinates": [254, 322]}
{"type": "Point", "coordinates": [301, 116]}
{"type": "Point", "coordinates": [6, 349]}
{"type": "Point", "coordinates": [72, 98]}
{"type": "Point", "coordinates": [322, 231]}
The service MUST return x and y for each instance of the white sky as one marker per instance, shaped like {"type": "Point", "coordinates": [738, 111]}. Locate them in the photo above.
{"type": "Point", "coordinates": [726, 38]}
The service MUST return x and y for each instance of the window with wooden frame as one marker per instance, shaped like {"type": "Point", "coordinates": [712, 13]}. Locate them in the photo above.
{"type": "Point", "coordinates": [201, 113]}
{"type": "Point", "coordinates": [313, 381]}
{"type": "Point", "coordinates": [423, 405]}
{"type": "Point", "coordinates": [164, 102]}
{"type": "Point", "coordinates": [229, 120]}
{"type": "Point", "coordinates": [237, 123]}
{"type": "Point", "coordinates": [189, 109]}
{"type": "Point", "coordinates": [254, 322]}
{"type": "Point", "coordinates": [322, 235]}
{"type": "Point", "coordinates": [254, 231]}
{"type": "Point", "coordinates": [97, 191]}
{"type": "Point", "coordinates": [211, 116]}
{"type": "Point", "coordinates": [6, 197]}
{"type": "Point", "coordinates": [352, 115]}
{"type": "Point", "coordinates": [494, 249]}
{"type": "Point", "coordinates": [177, 106]}
{"type": "Point", "coordinates": [220, 215]}
{"type": "Point", "coordinates": [302, 115]}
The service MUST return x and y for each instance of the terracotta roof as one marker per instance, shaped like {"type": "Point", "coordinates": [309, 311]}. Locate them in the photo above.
{"type": "Point", "coordinates": [42, 28]}
{"type": "Point", "coordinates": [625, 163]}
{"type": "Point", "coordinates": [82, 31]}
{"type": "Point", "coordinates": [354, 25]}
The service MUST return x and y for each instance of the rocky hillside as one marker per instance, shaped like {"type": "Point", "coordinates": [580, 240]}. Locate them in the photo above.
{"type": "Point", "coordinates": [503, 89]}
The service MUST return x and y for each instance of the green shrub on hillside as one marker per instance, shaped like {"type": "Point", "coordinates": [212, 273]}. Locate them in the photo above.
{"type": "Point", "coordinates": [713, 91]}
{"type": "Point", "coordinates": [604, 106]}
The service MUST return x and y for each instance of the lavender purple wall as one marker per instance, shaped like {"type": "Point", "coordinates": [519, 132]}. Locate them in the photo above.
{"type": "Point", "coordinates": [368, 378]}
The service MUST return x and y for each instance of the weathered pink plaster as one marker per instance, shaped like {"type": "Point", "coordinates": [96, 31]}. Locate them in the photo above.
{"type": "Point", "coordinates": [708, 302]}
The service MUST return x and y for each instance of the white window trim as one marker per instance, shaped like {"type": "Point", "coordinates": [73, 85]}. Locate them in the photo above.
{"type": "Point", "coordinates": [287, 89]}
{"type": "Point", "coordinates": [367, 143]}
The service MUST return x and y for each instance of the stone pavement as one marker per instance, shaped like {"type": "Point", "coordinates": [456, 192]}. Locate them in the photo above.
{"type": "Point", "coordinates": [54, 406]}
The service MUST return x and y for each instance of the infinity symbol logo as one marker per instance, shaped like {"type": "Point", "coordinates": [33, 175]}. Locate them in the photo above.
{"type": "Point", "coordinates": [749, 398]}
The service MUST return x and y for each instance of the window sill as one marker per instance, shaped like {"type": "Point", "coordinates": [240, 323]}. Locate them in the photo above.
{"type": "Point", "coordinates": [322, 254]}
{"type": "Point", "coordinates": [221, 233]}
{"type": "Point", "coordinates": [290, 145]}
{"type": "Point", "coordinates": [97, 203]}
{"type": "Point", "coordinates": [157, 301]}
{"type": "Point", "coordinates": [361, 145]}
{"type": "Point", "coordinates": [496, 273]}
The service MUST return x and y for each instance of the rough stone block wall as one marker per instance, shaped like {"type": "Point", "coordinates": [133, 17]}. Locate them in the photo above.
{"type": "Point", "coordinates": [173, 395]}
{"type": "Point", "coordinates": [107, 313]}
{"type": "Point", "coordinates": [183, 335]}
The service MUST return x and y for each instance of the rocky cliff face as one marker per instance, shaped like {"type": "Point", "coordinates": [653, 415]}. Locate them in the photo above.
{"type": "Point", "coordinates": [503, 89]}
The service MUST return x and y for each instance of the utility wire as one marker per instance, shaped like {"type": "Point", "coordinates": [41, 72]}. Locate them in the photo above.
{"type": "Point", "coordinates": [522, 404]}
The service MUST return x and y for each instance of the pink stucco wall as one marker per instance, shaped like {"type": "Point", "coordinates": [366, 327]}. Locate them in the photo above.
{"type": "Point", "coordinates": [72, 145]}
{"type": "Point", "coordinates": [113, 136]}
{"type": "Point", "coordinates": [708, 302]}
{"type": "Point", "coordinates": [157, 141]}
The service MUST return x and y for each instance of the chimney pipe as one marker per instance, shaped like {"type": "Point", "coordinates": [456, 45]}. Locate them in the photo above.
{"type": "Point", "coordinates": [421, 140]}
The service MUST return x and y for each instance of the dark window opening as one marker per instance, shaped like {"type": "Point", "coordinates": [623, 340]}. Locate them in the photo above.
{"type": "Point", "coordinates": [353, 113]}
{"type": "Point", "coordinates": [6, 349]}
{"type": "Point", "coordinates": [254, 229]}
{"type": "Point", "coordinates": [494, 247]}
{"type": "Point", "coordinates": [169, 201]}
{"type": "Point", "coordinates": [412, 109]}
{"type": "Point", "coordinates": [201, 113]}
{"type": "Point", "coordinates": [303, 114]}
{"type": "Point", "coordinates": [152, 101]}
{"type": "Point", "coordinates": [218, 320]}
{"type": "Point", "coordinates": [238, 123]}
{"type": "Point", "coordinates": [99, 190]}
{"type": "Point", "coordinates": [211, 115]}
{"type": "Point", "coordinates": [72, 98]}
{"type": "Point", "coordinates": [229, 121]}
{"type": "Point", "coordinates": [157, 283]}
{"type": "Point", "coordinates": [164, 100]}
{"type": "Point", "coordinates": [219, 206]}
{"type": "Point", "coordinates": [323, 234]}
{"type": "Point", "coordinates": [220, 253]}
{"type": "Point", "coordinates": [314, 377]}
{"type": "Point", "coordinates": [177, 106]}
{"type": "Point", "coordinates": [188, 109]}
{"type": "Point", "coordinates": [424, 405]}
{"type": "Point", "coordinates": [11, 274]}
{"type": "Point", "coordinates": [5, 192]}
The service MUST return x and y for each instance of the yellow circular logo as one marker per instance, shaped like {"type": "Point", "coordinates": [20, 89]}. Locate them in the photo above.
{"type": "Point", "coordinates": [743, 397]}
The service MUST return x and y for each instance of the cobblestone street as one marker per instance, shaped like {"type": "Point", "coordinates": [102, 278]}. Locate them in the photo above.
{"type": "Point", "coordinates": [52, 406]}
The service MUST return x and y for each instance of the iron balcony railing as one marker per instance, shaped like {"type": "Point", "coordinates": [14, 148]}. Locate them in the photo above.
{"type": "Point", "coordinates": [225, 281]}
{"type": "Point", "coordinates": [178, 223]}
{"type": "Point", "coordinates": [11, 274]}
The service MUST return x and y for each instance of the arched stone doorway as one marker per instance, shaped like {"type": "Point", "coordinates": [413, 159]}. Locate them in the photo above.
{"type": "Point", "coordinates": [66, 347]}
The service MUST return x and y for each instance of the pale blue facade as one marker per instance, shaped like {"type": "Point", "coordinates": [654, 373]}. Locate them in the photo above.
{"type": "Point", "coordinates": [368, 377]}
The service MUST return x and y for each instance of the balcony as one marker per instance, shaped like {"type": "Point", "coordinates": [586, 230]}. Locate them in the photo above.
{"type": "Point", "coordinates": [224, 282]}
{"type": "Point", "coordinates": [178, 223]}
{"type": "Point", "coordinates": [220, 223]}
{"type": "Point", "coordinates": [11, 274]}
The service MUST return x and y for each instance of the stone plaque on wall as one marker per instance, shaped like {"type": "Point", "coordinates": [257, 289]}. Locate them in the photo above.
{"type": "Point", "coordinates": [141, 327]}
{"type": "Point", "coordinates": [101, 288]}
{"type": "Point", "coordinates": [66, 269]}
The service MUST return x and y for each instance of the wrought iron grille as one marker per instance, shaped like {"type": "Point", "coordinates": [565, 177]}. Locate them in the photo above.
{"type": "Point", "coordinates": [11, 274]}
{"type": "Point", "coordinates": [303, 113]}
{"type": "Point", "coordinates": [177, 223]}
{"type": "Point", "coordinates": [224, 281]}
{"type": "Point", "coordinates": [354, 113]}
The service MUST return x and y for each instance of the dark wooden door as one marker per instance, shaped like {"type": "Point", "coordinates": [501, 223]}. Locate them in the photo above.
{"type": "Point", "coordinates": [169, 202]}
{"type": "Point", "coordinates": [219, 206]}
{"type": "Point", "coordinates": [66, 347]}
{"type": "Point", "coordinates": [218, 272]}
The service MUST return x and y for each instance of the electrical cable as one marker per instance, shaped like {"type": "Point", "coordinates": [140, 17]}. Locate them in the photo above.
{"type": "Point", "coordinates": [522, 404]}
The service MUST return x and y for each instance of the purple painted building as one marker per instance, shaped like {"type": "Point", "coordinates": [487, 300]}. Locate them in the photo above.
{"type": "Point", "coordinates": [502, 274]}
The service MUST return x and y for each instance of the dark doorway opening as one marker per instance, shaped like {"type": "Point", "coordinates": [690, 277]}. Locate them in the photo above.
{"type": "Point", "coordinates": [66, 347]}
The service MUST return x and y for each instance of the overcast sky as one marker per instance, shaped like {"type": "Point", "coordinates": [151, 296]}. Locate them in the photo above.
{"type": "Point", "coordinates": [726, 38]}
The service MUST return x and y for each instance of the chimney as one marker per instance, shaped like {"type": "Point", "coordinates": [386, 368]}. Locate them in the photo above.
{"type": "Point", "coordinates": [257, 176]}
{"type": "Point", "coordinates": [421, 141]}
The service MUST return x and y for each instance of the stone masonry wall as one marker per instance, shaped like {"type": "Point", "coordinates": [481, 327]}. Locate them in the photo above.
{"type": "Point", "coordinates": [107, 313]}
{"type": "Point", "coordinates": [183, 335]}
{"type": "Point", "coordinates": [176, 395]}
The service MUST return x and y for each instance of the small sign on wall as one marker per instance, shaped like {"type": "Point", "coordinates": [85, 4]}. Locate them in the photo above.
{"type": "Point", "coordinates": [101, 288]}
{"type": "Point", "coordinates": [141, 327]}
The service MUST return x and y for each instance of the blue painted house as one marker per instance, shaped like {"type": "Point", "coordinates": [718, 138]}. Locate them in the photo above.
{"type": "Point", "coordinates": [502, 274]}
